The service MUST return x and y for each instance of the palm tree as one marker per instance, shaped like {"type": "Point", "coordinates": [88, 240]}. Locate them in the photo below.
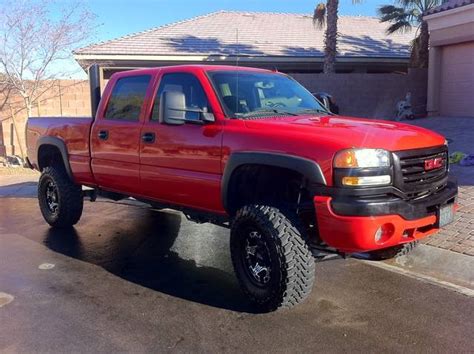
{"type": "Point", "coordinates": [406, 16]}
{"type": "Point", "coordinates": [330, 36]}
{"type": "Point", "coordinates": [327, 13]}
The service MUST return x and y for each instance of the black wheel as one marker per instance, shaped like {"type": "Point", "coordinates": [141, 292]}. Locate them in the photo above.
{"type": "Point", "coordinates": [60, 199]}
{"type": "Point", "coordinates": [392, 252]}
{"type": "Point", "coordinates": [411, 117]}
{"type": "Point", "coordinates": [271, 259]}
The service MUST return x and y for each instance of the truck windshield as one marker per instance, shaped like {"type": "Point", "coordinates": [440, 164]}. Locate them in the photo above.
{"type": "Point", "coordinates": [246, 94]}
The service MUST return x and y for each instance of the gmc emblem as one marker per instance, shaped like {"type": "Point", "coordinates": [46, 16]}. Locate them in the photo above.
{"type": "Point", "coordinates": [432, 164]}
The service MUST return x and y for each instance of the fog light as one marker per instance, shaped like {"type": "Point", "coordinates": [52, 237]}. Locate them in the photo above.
{"type": "Point", "coordinates": [384, 232]}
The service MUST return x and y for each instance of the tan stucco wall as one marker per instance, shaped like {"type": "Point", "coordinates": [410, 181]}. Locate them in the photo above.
{"type": "Point", "coordinates": [451, 35]}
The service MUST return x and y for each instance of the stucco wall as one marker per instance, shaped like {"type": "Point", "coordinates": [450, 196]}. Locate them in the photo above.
{"type": "Point", "coordinates": [370, 95]}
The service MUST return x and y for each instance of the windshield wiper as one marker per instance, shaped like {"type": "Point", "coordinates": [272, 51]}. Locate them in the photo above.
{"type": "Point", "coordinates": [264, 111]}
{"type": "Point", "coordinates": [314, 110]}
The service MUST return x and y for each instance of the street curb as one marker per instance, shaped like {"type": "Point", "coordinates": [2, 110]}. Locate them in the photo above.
{"type": "Point", "coordinates": [451, 270]}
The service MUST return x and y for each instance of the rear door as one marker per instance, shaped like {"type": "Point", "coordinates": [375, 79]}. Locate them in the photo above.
{"type": "Point", "coordinates": [115, 135]}
{"type": "Point", "coordinates": [181, 164]}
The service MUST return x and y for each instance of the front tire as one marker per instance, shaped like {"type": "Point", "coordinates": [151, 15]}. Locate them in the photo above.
{"type": "Point", "coordinates": [60, 199]}
{"type": "Point", "coordinates": [271, 259]}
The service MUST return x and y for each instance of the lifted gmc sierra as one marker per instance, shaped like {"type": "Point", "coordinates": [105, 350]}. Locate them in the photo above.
{"type": "Point", "coordinates": [254, 151]}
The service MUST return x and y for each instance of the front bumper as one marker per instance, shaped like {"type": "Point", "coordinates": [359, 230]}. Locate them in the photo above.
{"type": "Point", "coordinates": [350, 224]}
{"type": "Point", "coordinates": [409, 210]}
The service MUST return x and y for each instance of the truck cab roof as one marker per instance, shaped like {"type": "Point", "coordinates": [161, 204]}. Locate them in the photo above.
{"type": "Point", "coordinates": [188, 68]}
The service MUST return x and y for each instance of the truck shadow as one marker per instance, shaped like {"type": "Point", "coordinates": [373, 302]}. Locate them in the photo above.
{"type": "Point", "coordinates": [19, 190]}
{"type": "Point", "coordinates": [148, 256]}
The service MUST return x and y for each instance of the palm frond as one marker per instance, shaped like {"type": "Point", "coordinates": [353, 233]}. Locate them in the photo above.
{"type": "Point", "coordinates": [319, 15]}
{"type": "Point", "coordinates": [399, 26]}
{"type": "Point", "coordinates": [400, 19]}
{"type": "Point", "coordinates": [409, 3]}
{"type": "Point", "coordinates": [390, 13]}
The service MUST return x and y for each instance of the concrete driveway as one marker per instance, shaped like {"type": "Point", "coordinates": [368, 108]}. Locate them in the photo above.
{"type": "Point", "coordinates": [128, 279]}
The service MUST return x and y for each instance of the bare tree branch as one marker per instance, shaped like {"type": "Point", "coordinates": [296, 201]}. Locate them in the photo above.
{"type": "Point", "coordinates": [34, 42]}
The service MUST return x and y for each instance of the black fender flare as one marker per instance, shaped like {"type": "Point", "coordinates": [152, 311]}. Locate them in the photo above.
{"type": "Point", "coordinates": [308, 168]}
{"type": "Point", "coordinates": [60, 145]}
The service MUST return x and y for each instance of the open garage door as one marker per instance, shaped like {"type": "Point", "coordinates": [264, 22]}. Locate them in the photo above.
{"type": "Point", "coordinates": [457, 80]}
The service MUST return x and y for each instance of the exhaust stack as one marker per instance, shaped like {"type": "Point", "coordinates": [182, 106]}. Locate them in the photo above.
{"type": "Point", "coordinates": [94, 82]}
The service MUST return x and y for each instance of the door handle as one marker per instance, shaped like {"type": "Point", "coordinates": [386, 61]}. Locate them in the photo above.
{"type": "Point", "coordinates": [148, 138]}
{"type": "Point", "coordinates": [103, 134]}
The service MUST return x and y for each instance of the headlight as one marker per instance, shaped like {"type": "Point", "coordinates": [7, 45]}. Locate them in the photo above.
{"type": "Point", "coordinates": [363, 167]}
{"type": "Point", "coordinates": [362, 158]}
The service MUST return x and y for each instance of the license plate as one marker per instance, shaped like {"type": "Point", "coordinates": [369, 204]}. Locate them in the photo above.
{"type": "Point", "coordinates": [445, 215]}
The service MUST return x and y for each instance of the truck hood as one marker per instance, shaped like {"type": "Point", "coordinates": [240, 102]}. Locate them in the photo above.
{"type": "Point", "coordinates": [350, 132]}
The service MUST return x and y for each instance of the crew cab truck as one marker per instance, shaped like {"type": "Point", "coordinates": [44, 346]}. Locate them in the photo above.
{"type": "Point", "coordinates": [254, 151]}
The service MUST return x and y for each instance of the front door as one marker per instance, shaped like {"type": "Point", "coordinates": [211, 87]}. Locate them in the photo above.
{"type": "Point", "coordinates": [181, 164]}
{"type": "Point", "coordinates": [115, 136]}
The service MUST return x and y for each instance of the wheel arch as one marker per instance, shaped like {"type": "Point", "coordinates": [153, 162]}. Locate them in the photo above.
{"type": "Point", "coordinates": [303, 166]}
{"type": "Point", "coordinates": [48, 145]}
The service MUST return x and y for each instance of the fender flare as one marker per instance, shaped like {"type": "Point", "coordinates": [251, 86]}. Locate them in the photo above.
{"type": "Point", "coordinates": [308, 168]}
{"type": "Point", "coordinates": [60, 145]}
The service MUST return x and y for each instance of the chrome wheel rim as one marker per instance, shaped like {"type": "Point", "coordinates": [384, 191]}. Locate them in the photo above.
{"type": "Point", "coordinates": [257, 260]}
{"type": "Point", "coordinates": [52, 199]}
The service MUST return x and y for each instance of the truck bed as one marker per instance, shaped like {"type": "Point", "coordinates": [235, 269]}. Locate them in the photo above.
{"type": "Point", "coordinates": [74, 132]}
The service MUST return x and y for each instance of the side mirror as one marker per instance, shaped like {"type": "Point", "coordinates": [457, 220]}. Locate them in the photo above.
{"type": "Point", "coordinates": [172, 108]}
{"type": "Point", "coordinates": [324, 99]}
{"type": "Point", "coordinates": [207, 117]}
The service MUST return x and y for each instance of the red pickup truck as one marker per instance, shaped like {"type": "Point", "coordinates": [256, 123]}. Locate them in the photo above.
{"type": "Point", "coordinates": [254, 151]}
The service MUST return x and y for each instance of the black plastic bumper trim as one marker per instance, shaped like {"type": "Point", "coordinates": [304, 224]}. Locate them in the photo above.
{"type": "Point", "coordinates": [388, 205]}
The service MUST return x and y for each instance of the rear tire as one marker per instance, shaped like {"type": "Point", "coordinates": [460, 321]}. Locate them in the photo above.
{"type": "Point", "coordinates": [392, 252]}
{"type": "Point", "coordinates": [60, 199]}
{"type": "Point", "coordinates": [271, 259]}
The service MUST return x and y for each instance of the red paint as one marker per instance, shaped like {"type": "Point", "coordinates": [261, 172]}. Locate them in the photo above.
{"type": "Point", "coordinates": [185, 164]}
{"type": "Point", "coordinates": [357, 233]}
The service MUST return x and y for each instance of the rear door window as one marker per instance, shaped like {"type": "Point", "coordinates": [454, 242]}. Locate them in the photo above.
{"type": "Point", "coordinates": [127, 98]}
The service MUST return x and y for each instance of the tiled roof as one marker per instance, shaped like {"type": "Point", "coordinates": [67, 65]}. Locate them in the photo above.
{"type": "Point", "coordinates": [448, 5]}
{"type": "Point", "coordinates": [258, 34]}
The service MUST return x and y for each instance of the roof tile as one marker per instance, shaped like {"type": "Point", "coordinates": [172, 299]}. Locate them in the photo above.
{"type": "Point", "coordinates": [258, 34]}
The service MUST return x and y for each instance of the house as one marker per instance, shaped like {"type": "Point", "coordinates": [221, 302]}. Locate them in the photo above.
{"type": "Point", "coordinates": [288, 42]}
{"type": "Point", "coordinates": [451, 63]}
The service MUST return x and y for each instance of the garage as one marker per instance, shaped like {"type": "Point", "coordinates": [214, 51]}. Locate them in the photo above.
{"type": "Point", "coordinates": [457, 80]}
{"type": "Point", "coordinates": [451, 65]}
